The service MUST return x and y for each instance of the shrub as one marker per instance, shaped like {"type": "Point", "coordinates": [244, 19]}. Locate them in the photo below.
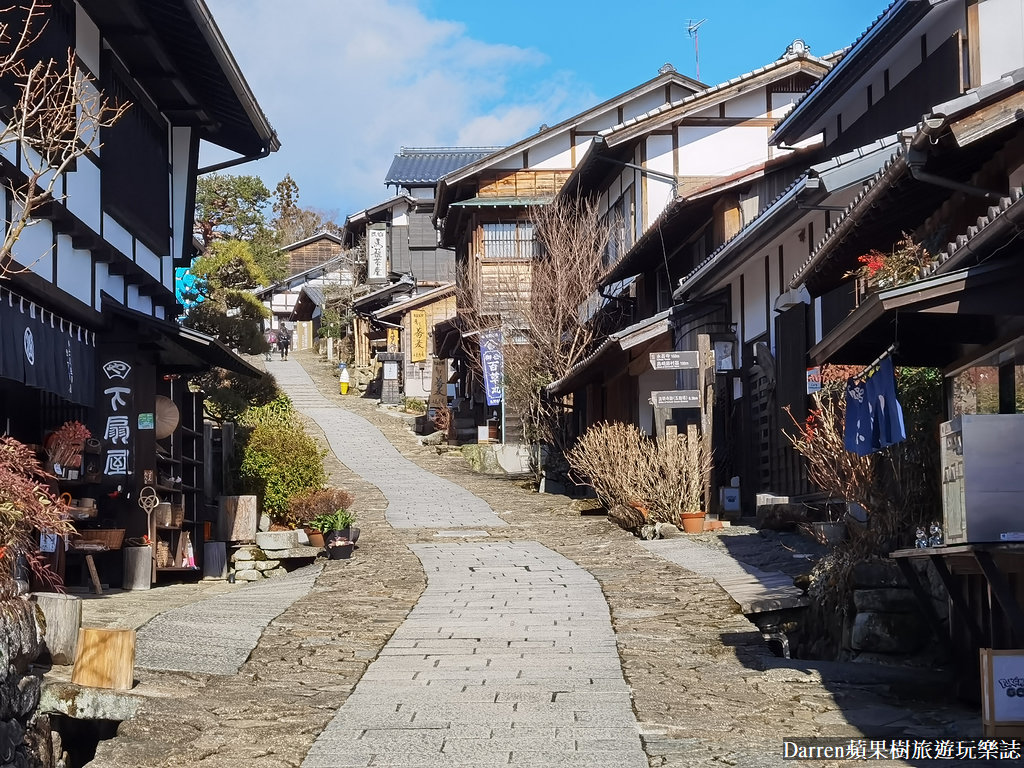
{"type": "Point", "coordinates": [338, 520]}
{"type": "Point", "coordinates": [661, 479]}
{"type": "Point", "coordinates": [310, 505]}
{"type": "Point", "coordinates": [26, 506]}
{"type": "Point", "coordinates": [280, 461]}
{"type": "Point", "coordinates": [414, 405]}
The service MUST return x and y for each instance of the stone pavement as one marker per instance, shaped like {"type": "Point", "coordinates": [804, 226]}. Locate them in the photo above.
{"type": "Point", "coordinates": [415, 498]}
{"type": "Point", "coordinates": [215, 636]}
{"type": "Point", "coordinates": [704, 689]}
{"type": "Point", "coordinates": [753, 589]}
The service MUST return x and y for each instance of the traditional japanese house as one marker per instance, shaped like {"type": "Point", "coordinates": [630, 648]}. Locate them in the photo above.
{"type": "Point", "coordinates": [483, 212]}
{"type": "Point", "coordinates": [949, 77]}
{"type": "Point", "coordinates": [89, 309]}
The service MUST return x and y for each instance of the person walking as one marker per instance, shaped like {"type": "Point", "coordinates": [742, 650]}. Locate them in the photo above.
{"type": "Point", "coordinates": [284, 342]}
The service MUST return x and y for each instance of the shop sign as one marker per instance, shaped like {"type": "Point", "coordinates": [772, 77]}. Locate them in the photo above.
{"type": "Point", "coordinates": [393, 342]}
{"type": "Point", "coordinates": [438, 384]}
{"type": "Point", "coordinates": [676, 398]}
{"type": "Point", "coordinates": [116, 410]}
{"type": "Point", "coordinates": [418, 319]}
{"type": "Point", "coordinates": [493, 362]}
{"type": "Point", "coordinates": [377, 253]}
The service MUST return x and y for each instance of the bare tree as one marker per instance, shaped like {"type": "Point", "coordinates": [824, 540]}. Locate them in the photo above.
{"type": "Point", "coordinates": [56, 119]}
{"type": "Point", "coordinates": [545, 308]}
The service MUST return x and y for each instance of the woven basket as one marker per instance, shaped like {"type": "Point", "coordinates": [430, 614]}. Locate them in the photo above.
{"type": "Point", "coordinates": [164, 558]}
{"type": "Point", "coordinates": [177, 515]}
{"type": "Point", "coordinates": [162, 515]}
{"type": "Point", "coordinates": [111, 538]}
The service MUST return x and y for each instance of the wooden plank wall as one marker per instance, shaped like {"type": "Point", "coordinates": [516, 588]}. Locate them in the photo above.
{"type": "Point", "coordinates": [521, 183]}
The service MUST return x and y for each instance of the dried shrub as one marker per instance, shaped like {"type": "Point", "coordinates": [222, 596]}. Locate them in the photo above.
{"type": "Point", "coordinates": [442, 418]}
{"type": "Point", "coordinates": [659, 480]}
{"type": "Point", "coordinates": [321, 501]}
{"type": "Point", "coordinates": [27, 506]}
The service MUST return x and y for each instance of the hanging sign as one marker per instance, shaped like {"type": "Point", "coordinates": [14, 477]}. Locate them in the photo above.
{"type": "Point", "coordinates": [675, 361]}
{"type": "Point", "coordinates": [418, 319]}
{"type": "Point", "coordinates": [393, 342]}
{"type": "Point", "coordinates": [377, 253]}
{"type": "Point", "coordinates": [676, 398]}
{"type": "Point", "coordinates": [493, 362]}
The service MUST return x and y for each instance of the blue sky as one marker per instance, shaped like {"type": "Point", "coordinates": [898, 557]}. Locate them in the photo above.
{"type": "Point", "coordinates": [348, 82]}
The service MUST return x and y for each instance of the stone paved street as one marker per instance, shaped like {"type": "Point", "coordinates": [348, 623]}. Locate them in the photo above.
{"type": "Point", "coordinates": [338, 677]}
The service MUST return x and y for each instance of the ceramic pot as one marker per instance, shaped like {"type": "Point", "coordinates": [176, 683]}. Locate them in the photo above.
{"type": "Point", "coordinates": [316, 539]}
{"type": "Point", "coordinates": [693, 522]}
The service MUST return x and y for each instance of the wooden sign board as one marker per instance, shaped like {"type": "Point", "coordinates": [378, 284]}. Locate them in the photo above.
{"type": "Point", "coordinates": [676, 398]}
{"type": "Point", "coordinates": [675, 361]}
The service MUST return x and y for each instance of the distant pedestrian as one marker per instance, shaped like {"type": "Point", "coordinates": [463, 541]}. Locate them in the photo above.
{"type": "Point", "coordinates": [271, 338]}
{"type": "Point", "coordinates": [284, 342]}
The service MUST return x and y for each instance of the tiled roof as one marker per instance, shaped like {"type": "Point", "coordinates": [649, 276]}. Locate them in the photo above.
{"type": "Point", "coordinates": [425, 165]}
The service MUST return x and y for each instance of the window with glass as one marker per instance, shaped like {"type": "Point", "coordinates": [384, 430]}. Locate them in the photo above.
{"type": "Point", "coordinates": [509, 240]}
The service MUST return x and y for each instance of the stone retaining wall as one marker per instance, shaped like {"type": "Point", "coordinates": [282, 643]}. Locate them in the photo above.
{"type": "Point", "coordinates": [20, 645]}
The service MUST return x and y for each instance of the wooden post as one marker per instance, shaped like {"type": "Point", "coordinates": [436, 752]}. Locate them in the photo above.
{"type": "Point", "coordinates": [105, 658]}
{"type": "Point", "coordinates": [706, 386]}
{"type": "Point", "coordinates": [63, 615]}
{"type": "Point", "coordinates": [93, 575]}
{"type": "Point", "coordinates": [238, 519]}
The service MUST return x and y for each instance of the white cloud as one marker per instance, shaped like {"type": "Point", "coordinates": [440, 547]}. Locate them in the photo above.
{"type": "Point", "coordinates": [348, 82]}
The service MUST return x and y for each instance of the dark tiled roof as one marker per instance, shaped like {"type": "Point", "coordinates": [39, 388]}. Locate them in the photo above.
{"type": "Point", "coordinates": [427, 165]}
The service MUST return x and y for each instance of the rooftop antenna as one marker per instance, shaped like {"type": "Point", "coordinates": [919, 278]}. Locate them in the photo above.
{"type": "Point", "coordinates": [691, 29]}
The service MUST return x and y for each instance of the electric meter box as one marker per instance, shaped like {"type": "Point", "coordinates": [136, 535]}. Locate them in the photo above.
{"type": "Point", "coordinates": [982, 460]}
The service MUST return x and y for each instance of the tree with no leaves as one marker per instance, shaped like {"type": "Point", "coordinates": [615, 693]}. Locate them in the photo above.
{"type": "Point", "coordinates": [56, 118]}
{"type": "Point", "coordinates": [542, 306]}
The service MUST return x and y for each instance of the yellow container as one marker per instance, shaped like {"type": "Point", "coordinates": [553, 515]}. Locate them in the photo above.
{"type": "Point", "coordinates": [343, 386]}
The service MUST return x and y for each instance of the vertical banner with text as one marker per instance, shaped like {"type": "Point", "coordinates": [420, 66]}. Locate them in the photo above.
{"type": "Point", "coordinates": [493, 363]}
{"type": "Point", "coordinates": [117, 409]}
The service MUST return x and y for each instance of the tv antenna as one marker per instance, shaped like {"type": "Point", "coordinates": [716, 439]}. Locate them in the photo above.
{"type": "Point", "coordinates": [691, 29]}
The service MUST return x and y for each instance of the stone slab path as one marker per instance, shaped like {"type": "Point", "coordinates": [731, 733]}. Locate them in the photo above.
{"type": "Point", "coordinates": [755, 590]}
{"type": "Point", "coordinates": [416, 498]}
{"type": "Point", "coordinates": [215, 636]}
{"type": "Point", "coordinates": [508, 658]}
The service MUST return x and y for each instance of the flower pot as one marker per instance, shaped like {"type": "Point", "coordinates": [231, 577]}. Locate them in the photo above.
{"type": "Point", "coordinates": [693, 522]}
{"type": "Point", "coordinates": [340, 551]}
{"type": "Point", "coordinates": [353, 534]}
{"type": "Point", "coordinates": [316, 539]}
{"type": "Point", "coordinates": [332, 535]}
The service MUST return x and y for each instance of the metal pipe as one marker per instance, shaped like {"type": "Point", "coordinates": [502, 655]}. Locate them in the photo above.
{"type": "Point", "coordinates": [265, 152]}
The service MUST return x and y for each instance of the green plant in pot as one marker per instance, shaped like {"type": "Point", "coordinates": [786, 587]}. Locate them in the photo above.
{"type": "Point", "coordinates": [336, 524]}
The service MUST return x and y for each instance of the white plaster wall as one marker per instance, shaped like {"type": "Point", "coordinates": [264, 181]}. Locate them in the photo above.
{"type": "Point", "coordinates": [34, 248]}
{"type": "Point", "coordinates": [754, 292]}
{"type": "Point", "coordinates": [112, 284]}
{"type": "Point", "coordinates": [651, 381]}
{"type": "Point", "coordinates": [659, 158]}
{"type": "Point", "coordinates": [552, 153]}
{"type": "Point", "coordinates": [87, 41]}
{"type": "Point", "coordinates": [751, 104]}
{"type": "Point", "coordinates": [117, 236]}
{"type": "Point", "coordinates": [1002, 37]}
{"type": "Point", "coordinates": [181, 220]}
{"type": "Point", "coordinates": [148, 260]}
{"type": "Point", "coordinates": [83, 193]}
{"type": "Point", "coordinates": [582, 145]}
{"type": "Point", "coordinates": [400, 215]}
{"type": "Point", "coordinates": [678, 93]}
{"type": "Point", "coordinates": [782, 103]}
{"type": "Point", "coordinates": [643, 103]}
{"type": "Point", "coordinates": [604, 119]}
{"type": "Point", "coordinates": [817, 320]}
{"type": "Point", "coordinates": [514, 162]}
{"type": "Point", "coordinates": [856, 107]}
{"type": "Point", "coordinates": [716, 151]}
{"type": "Point", "coordinates": [709, 112]}
{"type": "Point", "coordinates": [139, 303]}
{"type": "Point", "coordinates": [159, 311]}
{"type": "Point", "coordinates": [74, 270]}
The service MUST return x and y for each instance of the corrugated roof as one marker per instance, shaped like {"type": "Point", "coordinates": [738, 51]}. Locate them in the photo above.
{"type": "Point", "coordinates": [425, 165]}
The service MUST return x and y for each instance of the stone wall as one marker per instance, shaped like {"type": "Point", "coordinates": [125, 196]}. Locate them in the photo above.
{"type": "Point", "coordinates": [20, 645]}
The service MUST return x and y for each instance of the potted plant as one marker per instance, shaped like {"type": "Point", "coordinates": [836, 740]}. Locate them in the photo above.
{"type": "Point", "coordinates": [340, 548]}
{"type": "Point", "coordinates": [316, 507]}
{"type": "Point", "coordinates": [335, 525]}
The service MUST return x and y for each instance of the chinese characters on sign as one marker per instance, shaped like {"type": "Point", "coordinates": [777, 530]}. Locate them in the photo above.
{"type": "Point", "coordinates": [377, 253]}
{"type": "Point", "coordinates": [813, 380]}
{"type": "Point", "coordinates": [439, 384]}
{"type": "Point", "coordinates": [117, 429]}
{"type": "Point", "coordinates": [393, 340]}
{"type": "Point", "coordinates": [419, 335]}
{"type": "Point", "coordinates": [676, 398]}
{"type": "Point", "coordinates": [674, 361]}
{"type": "Point", "coordinates": [493, 364]}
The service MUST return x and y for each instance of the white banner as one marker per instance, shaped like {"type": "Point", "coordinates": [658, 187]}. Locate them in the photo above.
{"type": "Point", "coordinates": [377, 253]}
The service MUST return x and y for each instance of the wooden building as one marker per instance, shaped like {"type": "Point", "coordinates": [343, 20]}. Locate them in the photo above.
{"type": "Point", "coordinates": [90, 331]}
